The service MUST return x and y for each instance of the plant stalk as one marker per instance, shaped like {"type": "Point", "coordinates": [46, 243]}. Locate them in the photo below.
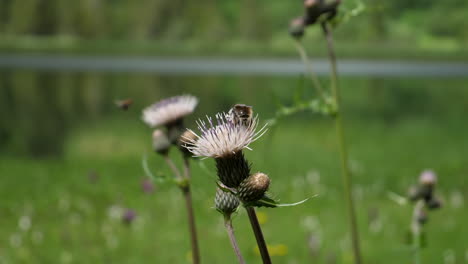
{"type": "Point", "coordinates": [185, 188]}
{"type": "Point", "coordinates": [190, 215]}
{"type": "Point", "coordinates": [172, 166]}
{"type": "Point", "coordinates": [232, 238]}
{"type": "Point", "coordinates": [192, 227]}
{"type": "Point", "coordinates": [416, 231]}
{"type": "Point", "coordinates": [345, 171]}
{"type": "Point", "coordinates": [258, 235]}
{"type": "Point", "coordinates": [308, 65]}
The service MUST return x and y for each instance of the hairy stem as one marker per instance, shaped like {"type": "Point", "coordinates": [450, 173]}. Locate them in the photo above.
{"type": "Point", "coordinates": [308, 65]}
{"type": "Point", "coordinates": [258, 235]}
{"type": "Point", "coordinates": [345, 171]}
{"type": "Point", "coordinates": [232, 238]}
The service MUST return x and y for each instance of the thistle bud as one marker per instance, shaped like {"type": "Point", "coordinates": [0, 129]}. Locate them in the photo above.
{"type": "Point", "coordinates": [226, 202]}
{"type": "Point", "coordinates": [161, 143]}
{"type": "Point", "coordinates": [297, 27]}
{"type": "Point", "coordinates": [254, 187]}
{"type": "Point", "coordinates": [187, 136]}
{"type": "Point", "coordinates": [434, 203]}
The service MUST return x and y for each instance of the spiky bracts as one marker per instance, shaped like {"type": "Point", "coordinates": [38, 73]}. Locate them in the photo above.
{"type": "Point", "coordinates": [232, 170]}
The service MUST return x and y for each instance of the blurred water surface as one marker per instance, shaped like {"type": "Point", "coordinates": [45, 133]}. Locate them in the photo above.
{"type": "Point", "coordinates": [39, 108]}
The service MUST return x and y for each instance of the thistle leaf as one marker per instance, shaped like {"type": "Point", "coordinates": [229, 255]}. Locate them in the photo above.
{"type": "Point", "coordinates": [271, 203]}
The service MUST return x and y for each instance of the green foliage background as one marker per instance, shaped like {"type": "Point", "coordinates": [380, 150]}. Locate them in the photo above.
{"type": "Point", "coordinates": [402, 28]}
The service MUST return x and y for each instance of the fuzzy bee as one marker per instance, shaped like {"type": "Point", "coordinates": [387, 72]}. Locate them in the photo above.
{"type": "Point", "coordinates": [124, 104]}
{"type": "Point", "coordinates": [241, 114]}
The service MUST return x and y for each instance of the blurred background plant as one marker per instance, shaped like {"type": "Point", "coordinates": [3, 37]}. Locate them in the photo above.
{"type": "Point", "coordinates": [419, 29]}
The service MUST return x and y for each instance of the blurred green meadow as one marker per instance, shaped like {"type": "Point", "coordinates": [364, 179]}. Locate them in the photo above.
{"type": "Point", "coordinates": [71, 165]}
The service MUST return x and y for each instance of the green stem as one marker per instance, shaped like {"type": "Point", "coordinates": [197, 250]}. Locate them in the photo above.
{"type": "Point", "coordinates": [258, 235]}
{"type": "Point", "coordinates": [192, 227]}
{"type": "Point", "coordinates": [345, 171]}
{"type": "Point", "coordinates": [190, 215]}
{"type": "Point", "coordinates": [173, 167]}
{"type": "Point", "coordinates": [232, 238]}
{"type": "Point", "coordinates": [185, 188]}
{"type": "Point", "coordinates": [416, 231]}
{"type": "Point", "coordinates": [308, 65]}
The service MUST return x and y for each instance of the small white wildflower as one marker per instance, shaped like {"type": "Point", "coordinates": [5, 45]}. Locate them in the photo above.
{"type": "Point", "coordinates": [24, 223]}
{"type": "Point", "coordinates": [169, 110]}
{"type": "Point", "coordinates": [115, 212]}
{"type": "Point", "coordinates": [222, 138]}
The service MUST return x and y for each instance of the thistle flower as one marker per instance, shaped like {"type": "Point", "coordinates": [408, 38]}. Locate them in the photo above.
{"type": "Point", "coordinates": [226, 202]}
{"type": "Point", "coordinates": [147, 186]}
{"type": "Point", "coordinates": [222, 138]}
{"type": "Point", "coordinates": [170, 110]}
{"type": "Point", "coordinates": [129, 216]}
{"type": "Point", "coordinates": [428, 177]}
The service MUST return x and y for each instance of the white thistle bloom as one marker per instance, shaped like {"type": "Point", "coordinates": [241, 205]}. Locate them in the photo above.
{"type": "Point", "coordinates": [169, 110]}
{"type": "Point", "coordinates": [222, 138]}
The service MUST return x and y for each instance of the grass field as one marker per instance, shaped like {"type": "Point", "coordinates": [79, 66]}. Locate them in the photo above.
{"type": "Point", "coordinates": [52, 211]}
